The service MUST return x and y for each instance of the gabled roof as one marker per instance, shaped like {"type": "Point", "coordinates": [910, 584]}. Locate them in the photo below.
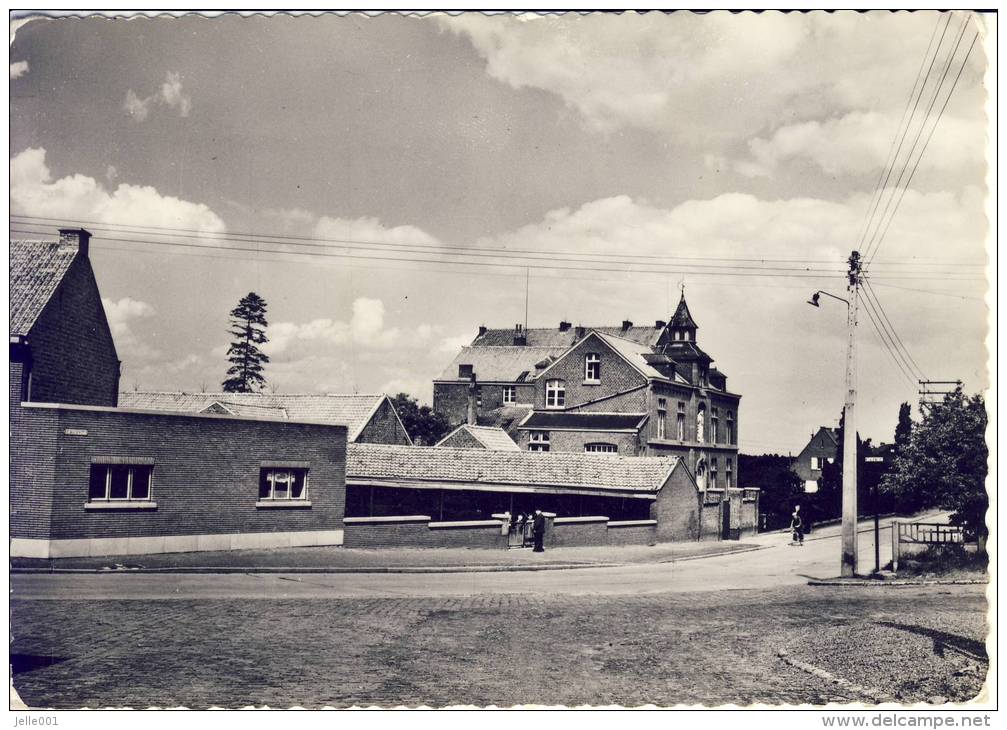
{"type": "Point", "coordinates": [353, 411]}
{"type": "Point", "coordinates": [518, 468]}
{"type": "Point", "coordinates": [577, 421]}
{"type": "Point", "coordinates": [563, 339]}
{"type": "Point", "coordinates": [490, 437]}
{"type": "Point", "coordinates": [36, 270]}
{"type": "Point", "coordinates": [507, 364]}
{"type": "Point", "coordinates": [682, 317]}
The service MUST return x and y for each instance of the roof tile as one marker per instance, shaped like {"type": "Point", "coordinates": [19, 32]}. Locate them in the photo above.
{"type": "Point", "coordinates": [36, 269]}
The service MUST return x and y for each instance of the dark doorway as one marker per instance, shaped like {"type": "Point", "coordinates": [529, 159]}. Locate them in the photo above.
{"type": "Point", "coordinates": [725, 520]}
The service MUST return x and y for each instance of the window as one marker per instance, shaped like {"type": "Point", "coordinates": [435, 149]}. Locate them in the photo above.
{"type": "Point", "coordinates": [509, 394]}
{"type": "Point", "coordinates": [120, 482]}
{"type": "Point", "coordinates": [730, 427]}
{"type": "Point", "coordinates": [730, 473]}
{"type": "Point", "coordinates": [714, 422]}
{"type": "Point", "coordinates": [662, 418]}
{"type": "Point", "coordinates": [680, 425]}
{"type": "Point", "coordinates": [281, 483]}
{"type": "Point", "coordinates": [701, 423]}
{"type": "Point", "coordinates": [538, 441]}
{"type": "Point", "coordinates": [713, 472]}
{"type": "Point", "coordinates": [592, 367]}
{"type": "Point", "coordinates": [816, 463]}
{"type": "Point", "coordinates": [555, 394]}
{"type": "Point", "coordinates": [601, 448]}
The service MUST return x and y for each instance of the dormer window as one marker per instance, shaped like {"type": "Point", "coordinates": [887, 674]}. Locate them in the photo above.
{"type": "Point", "coordinates": [555, 394]}
{"type": "Point", "coordinates": [592, 367]}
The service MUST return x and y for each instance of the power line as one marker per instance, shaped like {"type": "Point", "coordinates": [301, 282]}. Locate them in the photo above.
{"type": "Point", "coordinates": [871, 294]}
{"type": "Point", "coordinates": [930, 135]}
{"type": "Point", "coordinates": [930, 291]}
{"type": "Point", "coordinates": [873, 242]}
{"type": "Point", "coordinates": [888, 349]}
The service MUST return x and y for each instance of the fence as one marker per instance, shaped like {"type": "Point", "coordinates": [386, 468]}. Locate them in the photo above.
{"type": "Point", "coordinates": [910, 535]}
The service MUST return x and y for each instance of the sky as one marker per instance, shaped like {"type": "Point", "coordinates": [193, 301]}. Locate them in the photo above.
{"type": "Point", "coordinates": [602, 161]}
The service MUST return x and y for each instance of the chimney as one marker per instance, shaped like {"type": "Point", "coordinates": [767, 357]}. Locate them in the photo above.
{"type": "Point", "coordinates": [626, 325]}
{"type": "Point", "coordinates": [482, 330]}
{"type": "Point", "coordinates": [564, 326]}
{"type": "Point", "coordinates": [660, 324]}
{"type": "Point", "coordinates": [519, 336]}
{"type": "Point", "coordinates": [471, 416]}
{"type": "Point", "coordinates": [75, 237]}
{"type": "Point", "coordinates": [580, 331]}
{"type": "Point", "coordinates": [465, 372]}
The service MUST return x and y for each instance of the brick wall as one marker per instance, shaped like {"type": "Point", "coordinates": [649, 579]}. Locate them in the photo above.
{"type": "Point", "coordinates": [74, 358]}
{"type": "Point", "coordinates": [616, 375]}
{"type": "Point", "coordinates": [578, 533]}
{"type": "Point", "coordinates": [384, 427]}
{"type": "Point", "coordinates": [710, 529]}
{"type": "Point", "coordinates": [461, 440]}
{"type": "Point", "coordinates": [451, 400]}
{"type": "Point", "coordinates": [677, 508]}
{"type": "Point", "coordinates": [416, 532]}
{"type": "Point", "coordinates": [574, 441]}
{"type": "Point", "coordinates": [32, 465]}
{"type": "Point", "coordinates": [632, 534]}
{"type": "Point", "coordinates": [205, 477]}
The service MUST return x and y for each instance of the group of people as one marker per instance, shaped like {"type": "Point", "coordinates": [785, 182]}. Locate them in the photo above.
{"type": "Point", "coordinates": [519, 522]}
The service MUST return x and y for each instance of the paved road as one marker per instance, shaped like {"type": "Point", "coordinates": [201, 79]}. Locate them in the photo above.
{"type": "Point", "coordinates": [777, 564]}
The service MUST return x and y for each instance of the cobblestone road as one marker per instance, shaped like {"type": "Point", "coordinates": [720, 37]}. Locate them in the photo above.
{"type": "Point", "coordinates": [502, 649]}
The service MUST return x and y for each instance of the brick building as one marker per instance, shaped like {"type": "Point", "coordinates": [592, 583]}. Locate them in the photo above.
{"type": "Point", "coordinates": [90, 478]}
{"type": "Point", "coordinates": [820, 449]}
{"type": "Point", "coordinates": [371, 419]}
{"type": "Point", "coordinates": [439, 497]}
{"type": "Point", "coordinates": [478, 437]}
{"type": "Point", "coordinates": [629, 390]}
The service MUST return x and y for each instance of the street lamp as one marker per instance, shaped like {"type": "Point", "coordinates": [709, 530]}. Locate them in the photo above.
{"type": "Point", "coordinates": [848, 562]}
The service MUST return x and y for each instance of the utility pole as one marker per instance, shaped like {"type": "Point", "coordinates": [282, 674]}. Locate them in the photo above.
{"type": "Point", "coordinates": [849, 532]}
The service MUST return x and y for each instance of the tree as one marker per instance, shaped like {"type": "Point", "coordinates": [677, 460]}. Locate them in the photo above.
{"type": "Point", "coordinates": [944, 464]}
{"type": "Point", "coordinates": [248, 328]}
{"type": "Point", "coordinates": [780, 487]}
{"type": "Point", "coordinates": [829, 502]}
{"type": "Point", "coordinates": [904, 428]}
{"type": "Point", "coordinates": [424, 426]}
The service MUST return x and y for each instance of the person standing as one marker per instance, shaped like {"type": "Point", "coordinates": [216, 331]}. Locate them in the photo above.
{"type": "Point", "coordinates": [538, 530]}
{"type": "Point", "coordinates": [797, 525]}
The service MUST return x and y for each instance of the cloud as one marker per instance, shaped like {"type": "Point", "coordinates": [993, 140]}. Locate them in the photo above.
{"type": "Point", "coordinates": [365, 328]}
{"type": "Point", "coordinates": [170, 95]}
{"type": "Point", "coordinates": [78, 197]}
{"type": "Point", "coordinates": [861, 142]}
{"type": "Point", "coordinates": [371, 230]}
{"type": "Point", "coordinates": [122, 315]}
{"type": "Point", "coordinates": [18, 69]}
{"type": "Point", "coordinates": [454, 344]}
{"type": "Point", "coordinates": [714, 79]}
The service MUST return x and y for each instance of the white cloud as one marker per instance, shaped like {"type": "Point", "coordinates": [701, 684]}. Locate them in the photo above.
{"type": "Point", "coordinates": [18, 69]}
{"type": "Point", "coordinates": [861, 142]}
{"type": "Point", "coordinates": [122, 316]}
{"type": "Point", "coordinates": [291, 217]}
{"type": "Point", "coordinates": [454, 344]}
{"type": "Point", "coordinates": [78, 197]}
{"type": "Point", "coordinates": [715, 79]}
{"type": "Point", "coordinates": [170, 95]}
{"type": "Point", "coordinates": [371, 230]}
{"type": "Point", "coordinates": [365, 328]}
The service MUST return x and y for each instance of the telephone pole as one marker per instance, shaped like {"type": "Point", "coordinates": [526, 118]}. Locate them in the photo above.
{"type": "Point", "coordinates": [849, 532]}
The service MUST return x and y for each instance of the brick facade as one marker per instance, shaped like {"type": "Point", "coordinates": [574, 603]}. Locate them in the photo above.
{"type": "Point", "coordinates": [628, 444]}
{"type": "Point", "coordinates": [461, 439]}
{"type": "Point", "coordinates": [617, 375]}
{"type": "Point", "coordinates": [384, 427]}
{"type": "Point", "coordinates": [73, 357]}
{"type": "Point", "coordinates": [205, 474]}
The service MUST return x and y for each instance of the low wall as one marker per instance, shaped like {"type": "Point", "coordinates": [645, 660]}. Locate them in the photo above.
{"type": "Point", "coordinates": [710, 522]}
{"type": "Point", "coordinates": [579, 531]}
{"type": "Point", "coordinates": [418, 531]}
{"type": "Point", "coordinates": [632, 532]}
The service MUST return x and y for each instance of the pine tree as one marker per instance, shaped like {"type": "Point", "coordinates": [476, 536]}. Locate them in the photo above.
{"type": "Point", "coordinates": [904, 428]}
{"type": "Point", "coordinates": [248, 328]}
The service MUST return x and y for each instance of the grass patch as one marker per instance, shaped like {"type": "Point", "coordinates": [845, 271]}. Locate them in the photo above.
{"type": "Point", "coordinates": [945, 561]}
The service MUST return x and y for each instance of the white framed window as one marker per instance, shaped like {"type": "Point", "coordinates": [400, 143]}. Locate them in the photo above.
{"type": "Point", "coordinates": [555, 394]}
{"type": "Point", "coordinates": [592, 367]}
{"type": "Point", "coordinates": [601, 448]}
{"type": "Point", "coordinates": [816, 463]}
{"type": "Point", "coordinates": [662, 418]}
{"type": "Point", "coordinates": [282, 484]}
{"type": "Point", "coordinates": [713, 472]}
{"type": "Point", "coordinates": [120, 483]}
{"type": "Point", "coordinates": [538, 441]}
{"type": "Point", "coordinates": [509, 395]}
{"type": "Point", "coordinates": [680, 423]}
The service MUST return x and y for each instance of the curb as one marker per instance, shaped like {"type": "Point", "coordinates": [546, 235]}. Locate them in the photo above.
{"type": "Point", "coordinates": [228, 570]}
{"type": "Point", "coordinates": [897, 583]}
{"type": "Point", "coordinates": [873, 694]}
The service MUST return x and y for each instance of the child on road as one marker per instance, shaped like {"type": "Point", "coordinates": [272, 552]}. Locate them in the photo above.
{"type": "Point", "coordinates": [797, 526]}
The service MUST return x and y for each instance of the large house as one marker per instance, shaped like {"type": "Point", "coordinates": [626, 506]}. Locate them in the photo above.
{"type": "Point", "coordinates": [629, 390]}
{"type": "Point", "coordinates": [820, 449]}
{"type": "Point", "coordinates": [88, 477]}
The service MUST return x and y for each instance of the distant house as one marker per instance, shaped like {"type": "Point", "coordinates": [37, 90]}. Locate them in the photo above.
{"type": "Point", "coordinates": [820, 450]}
{"type": "Point", "coordinates": [628, 390]}
{"type": "Point", "coordinates": [371, 419]}
{"type": "Point", "coordinates": [90, 478]}
{"type": "Point", "coordinates": [478, 437]}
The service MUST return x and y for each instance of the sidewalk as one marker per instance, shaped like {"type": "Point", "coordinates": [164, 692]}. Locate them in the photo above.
{"type": "Point", "coordinates": [342, 560]}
